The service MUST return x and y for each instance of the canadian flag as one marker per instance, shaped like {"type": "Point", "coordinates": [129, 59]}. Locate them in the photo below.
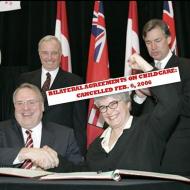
{"type": "Point", "coordinates": [98, 68]}
{"type": "Point", "coordinates": [61, 32]}
{"type": "Point", "coordinates": [168, 17]}
{"type": "Point", "coordinates": [132, 39]}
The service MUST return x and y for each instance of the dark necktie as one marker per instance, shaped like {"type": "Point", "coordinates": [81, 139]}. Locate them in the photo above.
{"type": "Point", "coordinates": [29, 144]}
{"type": "Point", "coordinates": [46, 85]}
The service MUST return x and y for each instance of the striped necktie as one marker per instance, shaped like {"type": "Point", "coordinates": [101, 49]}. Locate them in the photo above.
{"type": "Point", "coordinates": [29, 144]}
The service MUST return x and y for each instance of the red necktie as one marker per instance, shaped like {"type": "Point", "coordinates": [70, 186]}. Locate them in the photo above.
{"type": "Point", "coordinates": [29, 144]}
{"type": "Point", "coordinates": [46, 85]}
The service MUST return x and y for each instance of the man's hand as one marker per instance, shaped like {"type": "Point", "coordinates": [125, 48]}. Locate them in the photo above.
{"type": "Point", "coordinates": [142, 93]}
{"type": "Point", "coordinates": [44, 158]}
{"type": "Point", "coordinates": [138, 63]}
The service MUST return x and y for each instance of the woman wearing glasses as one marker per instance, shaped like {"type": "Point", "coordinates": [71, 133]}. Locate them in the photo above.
{"type": "Point", "coordinates": [130, 142]}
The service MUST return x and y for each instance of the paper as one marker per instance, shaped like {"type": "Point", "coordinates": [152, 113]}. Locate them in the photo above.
{"type": "Point", "coordinates": [110, 175]}
{"type": "Point", "coordinates": [28, 173]}
{"type": "Point", "coordinates": [79, 175]}
{"type": "Point", "coordinates": [116, 175]}
{"type": "Point", "coordinates": [150, 174]}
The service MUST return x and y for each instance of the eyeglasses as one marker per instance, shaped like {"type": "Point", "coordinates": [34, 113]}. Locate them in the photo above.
{"type": "Point", "coordinates": [111, 105]}
{"type": "Point", "coordinates": [30, 103]}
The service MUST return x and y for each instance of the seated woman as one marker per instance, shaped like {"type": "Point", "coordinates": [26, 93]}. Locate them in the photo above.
{"type": "Point", "coordinates": [130, 142]}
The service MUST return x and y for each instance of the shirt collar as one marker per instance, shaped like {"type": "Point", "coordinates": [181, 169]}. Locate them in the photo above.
{"type": "Point", "coordinates": [165, 60]}
{"type": "Point", "coordinates": [53, 73]}
{"type": "Point", "coordinates": [127, 126]}
{"type": "Point", "coordinates": [35, 130]}
{"type": "Point", "coordinates": [106, 135]}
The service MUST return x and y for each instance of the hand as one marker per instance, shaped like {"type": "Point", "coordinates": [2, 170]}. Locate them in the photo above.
{"type": "Point", "coordinates": [44, 158]}
{"type": "Point", "coordinates": [142, 93]}
{"type": "Point", "coordinates": [138, 63]}
{"type": "Point", "coordinates": [54, 156]}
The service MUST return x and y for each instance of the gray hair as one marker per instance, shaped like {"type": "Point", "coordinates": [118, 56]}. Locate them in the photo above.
{"type": "Point", "coordinates": [153, 23]}
{"type": "Point", "coordinates": [29, 86]}
{"type": "Point", "coordinates": [123, 96]}
{"type": "Point", "coordinates": [47, 39]}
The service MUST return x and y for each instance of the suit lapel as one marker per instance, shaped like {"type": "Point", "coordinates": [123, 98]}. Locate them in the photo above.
{"type": "Point", "coordinates": [60, 80]}
{"type": "Point", "coordinates": [173, 62]}
{"type": "Point", "coordinates": [18, 139]}
{"type": "Point", "coordinates": [37, 78]}
{"type": "Point", "coordinates": [47, 136]}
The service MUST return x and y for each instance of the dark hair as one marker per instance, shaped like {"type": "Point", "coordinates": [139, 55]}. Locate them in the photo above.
{"type": "Point", "coordinates": [153, 23]}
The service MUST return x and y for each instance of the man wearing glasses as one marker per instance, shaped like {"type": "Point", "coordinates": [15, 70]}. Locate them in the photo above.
{"type": "Point", "coordinates": [30, 143]}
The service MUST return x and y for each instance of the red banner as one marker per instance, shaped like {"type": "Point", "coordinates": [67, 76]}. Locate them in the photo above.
{"type": "Point", "coordinates": [98, 68]}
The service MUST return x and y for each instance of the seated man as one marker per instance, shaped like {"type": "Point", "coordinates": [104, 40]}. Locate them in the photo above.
{"type": "Point", "coordinates": [27, 141]}
{"type": "Point", "coordinates": [135, 143]}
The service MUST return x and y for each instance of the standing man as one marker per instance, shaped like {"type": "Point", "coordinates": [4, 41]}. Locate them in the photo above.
{"type": "Point", "coordinates": [157, 38]}
{"type": "Point", "coordinates": [51, 76]}
{"type": "Point", "coordinates": [28, 142]}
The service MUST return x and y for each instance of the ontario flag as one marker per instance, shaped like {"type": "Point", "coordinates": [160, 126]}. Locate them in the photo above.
{"type": "Point", "coordinates": [132, 39]}
{"type": "Point", "coordinates": [98, 68]}
{"type": "Point", "coordinates": [168, 17]}
{"type": "Point", "coordinates": [61, 32]}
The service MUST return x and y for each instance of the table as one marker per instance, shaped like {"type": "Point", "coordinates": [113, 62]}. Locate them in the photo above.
{"type": "Point", "coordinates": [16, 183]}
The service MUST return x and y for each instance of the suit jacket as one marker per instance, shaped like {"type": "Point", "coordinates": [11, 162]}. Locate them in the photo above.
{"type": "Point", "coordinates": [73, 114]}
{"type": "Point", "coordinates": [60, 138]}
{"type": "Point", "coordinates": [177, 155]}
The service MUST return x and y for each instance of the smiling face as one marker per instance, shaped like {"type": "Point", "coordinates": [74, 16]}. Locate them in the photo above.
{"type": "Point", "coordinates": [50, 54]}
{"type": "Point", "coordinates": [116, 115]}
{"type": "Point", "coordinates": [28, 108]}
{"type": "Point", "coordinates": [157, 43]}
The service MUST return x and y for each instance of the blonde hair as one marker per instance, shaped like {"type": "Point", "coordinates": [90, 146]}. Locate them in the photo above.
{"type": "Point", "coordinates": [123, 96]}
{"type": "Point", "coordinates": [47, 39]}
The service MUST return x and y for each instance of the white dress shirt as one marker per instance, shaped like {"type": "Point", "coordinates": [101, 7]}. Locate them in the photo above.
{"type": "Point", "coordinates": [165, 60]}
{"type": "Point", "coordinates": [36, 137]}
{"type": "Point", "coordinates": [52, 73]}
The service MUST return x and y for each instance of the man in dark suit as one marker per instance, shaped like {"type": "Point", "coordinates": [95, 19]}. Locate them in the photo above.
{"type": "Point", "coordinates": [69, 114]}
{"type": "Point", "coordinates": [47, 142]}
{"type": "Point", "coordinates": [157, 38]}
